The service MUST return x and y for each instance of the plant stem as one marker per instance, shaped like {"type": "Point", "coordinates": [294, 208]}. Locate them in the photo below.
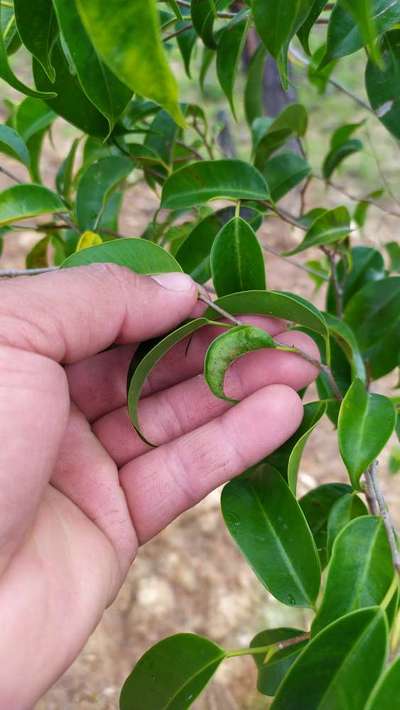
{"type": "Point", "coordinates": [10, 175]}
{"type": "Point", "coordinates": [286, 216]}
{"type": "Point", "coordinates": [183, 29]}
{"type": "Point", "coordinates": [277, 646]}
{"type": "Point", "coordinates": [356, 198]}
{"type": "Point", "coordinates": [294, 262]}
{"type": "Point", "coordinates": [205, 299]}
{"type": "Point", "coordinates": [380, 505]}
{"type": "Point", "coordinates": [13, 273]}
{"type": "Point", "coordinates": [316, 363]}
{"type": "Point", "coordinates": [337, 286]}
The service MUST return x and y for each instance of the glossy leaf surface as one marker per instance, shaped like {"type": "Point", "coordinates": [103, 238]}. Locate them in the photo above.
{"type": "Point", "coordinates": [374, 309]}
{"type": "Point", "coordinates": [387, 690]}
{"type": "Point", "coordinates": [23, 201]}
{"type": "Point", "coordinates": [331, 227]}
{"type": "Point", "coordinates": [171, 674]}
{"type": "Point", "coordinates": [237, 260]}
{"type": "Point", "coordinates": [272, 670]}
{"type": "Point", "coordinates": [12, 144]}
{"type": "Point", "coordinates": [346, 508]}
{"type": "Point", "coordinates": [256, 511]}
{"type": "Point", "coordinates": [139, 255]}
{"type": "Point", "coordinates": [96, 186]}
{"type": "Point", "coordinates": [283, 172]}
{"type": "Point", "coordinates": [229, 51]}
{"type": "Point", "coordinates": [38, 30]}
{"type": "Point", "coordinates": [316, 506]}
{"type": "Point", "coordinates": [383, 83]}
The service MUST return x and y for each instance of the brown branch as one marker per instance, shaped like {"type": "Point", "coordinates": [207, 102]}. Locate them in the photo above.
{"type": "Point", "coordinates": [13, 273]}
{"type": "Point", "coordinates": [181, 30]}
{"type": "Point", "coordinates": [10, 175]}
{"type": "Point", "coordinates": [295, 263]}
{"type": "Point", "coordinates": [379, 504]}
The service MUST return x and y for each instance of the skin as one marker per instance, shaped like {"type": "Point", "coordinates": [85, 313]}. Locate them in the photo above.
{"type": "Point", "coordinates": [79, 490]}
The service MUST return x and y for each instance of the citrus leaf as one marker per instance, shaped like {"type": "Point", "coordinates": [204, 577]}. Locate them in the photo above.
{"type": "Point", "coordinates": [212, 179]}
{"type": "Point", "coordinates": [366, 422]}
{"type": "Point", "coordinates": [332, 226]}
{"type": "Point", "coordinates": [269, 527]}
{"type": "Point", "coordinates": [23, 201]}
{"type": "Point", "coordinates": [182, 665]}
{"type": "Point", "coordinates": [360, 571]}
{"type": "Point", "coordinates": [227, 348]}
{"type": "Point", "coordinates": [344, 660]}
{"type": "Point", "coordinates": [101, 87]}
{"type": "Point", "coordinates": [128, 39]}
{"type": "Point", "coordinates": [143, 364]}
{"type": "Point", "coordinates": [237, 261]}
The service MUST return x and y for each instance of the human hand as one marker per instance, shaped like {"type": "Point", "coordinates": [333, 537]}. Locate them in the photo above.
{"type": "Point", "coordinates": [79, 489]}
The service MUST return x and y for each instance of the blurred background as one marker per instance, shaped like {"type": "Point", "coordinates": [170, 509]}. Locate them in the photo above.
{"type": "Point", "coordinates": [192, 578]}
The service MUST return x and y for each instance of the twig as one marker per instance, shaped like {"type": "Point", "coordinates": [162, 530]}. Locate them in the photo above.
{"type": "Point", "coordinates": [204, 297]}
{"type": "Point", "coordinates": [325, 369]}
{"type": "Point", "coordinates": [379, 503]}
{"type": "Point", "coordinates": [286, 216]}
{"type": "Point", "coordinates": [181, 30]}
{"type": "Point", "coordinates": [294, 262]}
{"type": "Point", "coordinates": [334, 279]}
{"type": "Point", "coordinates": [13, 273]}
{"type": "Point", "coordinates": [277, 646]}
{"type": "Point", "coordinates": [10, 175]}
{"type": "Point", "coordinates": [358, 198]}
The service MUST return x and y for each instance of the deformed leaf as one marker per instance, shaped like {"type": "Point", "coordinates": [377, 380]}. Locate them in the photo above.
{"type": "Point", "coordinates": [360, 571]}
{"type": "Point", "coordinates": [272, 669]}
{"type": "Point", "coordinates": [237, 260]}
{"type": "Point", "coordinates": [273, 303]}
{"type": "Point", "coordinates": [331, 227]}
{"type": "Point", "coordinates": [386, 690]}
{"type": "Point", "coordinates": [95, 187]}
{"type": "Point", "coordinates": [128, 39]}
{"type": "Point", "coordinates": [269, 527]}
{"type": "Point", "coordinates": [227, 348]}
{"type": "Point", "coordinates": [23, 201]}
{"type": "Point", "coordinates": [345, 660]}
{"type": "Point", "coordinates": [88, 239]}
{"type": "Point", "coordinates": [316, 506]}
{"type": "Point", "coordinates": [171, 674]}
{"type": "Point", "coordinates": [345, 509]}
{"type": "Point", "coordinates": [212, 179]}
{"type": "Point", "coordinates": [366, 421]}
{"type": "Point", "coordinates": [142, 366]}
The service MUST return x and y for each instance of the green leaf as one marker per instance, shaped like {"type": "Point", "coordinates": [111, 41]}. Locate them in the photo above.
{"type": "Point", "coordinates": [38, 30]}
{"type": "Point", "coordinates": [175, 8]}
{"type": "Point", "coordinates": [237, 260]}
{"type": "Point", "coordinates": [362, 12]}
{"type": "Point", "coordinates": [203, 14]}
{"type": "Point", "coordinates": [128, 39]}
{"type": "Point", "coordinates": [33, 116]}
{"type": "Point", "coordinates": [171, 674]}
{"type": "Point", "coordinates": [229, 51]}
{"type": "Point", "coordinates": [344, 661]}
{"type": "Point", "coordinates": [384, 356]}
{"type": "Point", "coordinates": [138, 255]}
{"type": "Point", "coordinates": [362, 207]}
{"type": "Point", "coordinates": [366, 265]}
{"type": "Point", "coordinates": [70, 101]}
{"type": "Point", "coordinates": [331, 227]}
{"type": "Point", "coordinates": [366, 421]}
{"type": "Point", "coordinates": [383, 83]}
{"type": "Point", "coordinates": [316, 506]}
{"type": "Point", "coordinates": [162, 136]}
{"type": "Point", "coordinates": [37, 258]}
{"type": "Point", "coordinates": [101, 87]}
{"type": "Point", "coordinates": [272, 669]}
{"type": "Point", "coordinates": [278, 22]}
{"type": "Point", "coordinates": [186, 43]}
{"type": "Point", "coordinates": [273, 303]}
{"type": "Point", "coordinates": [96, 186]}
{"type": "Point", "coordinates": [23, 201]}
{"type": "Point", "coordinates": [253, 91]}
{"type": "Point", "coordinates": [303, 33]}
{"type": "Point", "coordinates": [194, 254]}
{"type": "Point", "coordinates": [7, 74]}
{"type": "Point", "coordinates": [386, 690]}
{"type": "Point", "coordinates": [345, 509]}
{"type": "Point", "coordinates": [227, 348]}
{"type": "Point", "coordinates": [12, 144]}
{"type": "Point", "coordinates": [374, 309]}
{"type": "Point", "coordinates": [344, 36]}
{"type": "Point", "coordinates": [212, 179]}
{"type": "Point", "coordinates": [287, 458]}
{"type": "Point", "coordinates": [269, 527]}
{"type": "Point", "coordinates": [345, 337]}
{"type": "Point", "coordinates": [146, 359]}
{"type": "Point", "coordinates": [271, 135]}
{"type": "Point", "coordinates": [337, 155]}
{"type": "Point", "coordinates": [360, 571]}
{"type": "Point", "coordinates": [393, 250]}
{"type": "Point", "coordinates": [283, 172]}
{"type": "Point", "coordinates": [64, 175]}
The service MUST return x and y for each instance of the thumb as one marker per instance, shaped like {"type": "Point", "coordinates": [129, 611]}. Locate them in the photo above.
{"type": "Point", "coordinates": [72, 314]}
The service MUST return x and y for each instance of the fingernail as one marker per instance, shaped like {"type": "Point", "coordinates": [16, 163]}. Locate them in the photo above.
{"type": "Point", "coordinates": [174, 281]}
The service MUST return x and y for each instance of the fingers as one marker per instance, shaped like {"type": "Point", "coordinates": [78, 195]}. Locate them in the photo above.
{"type": "Point", "coordinates": [169, 414]}
{"type": "Point", "coordinates": [75, 313]}
{"type": "Point", "coordinates": [98, 384]}
{"type": "Point", "coordinates": [166, 481]}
